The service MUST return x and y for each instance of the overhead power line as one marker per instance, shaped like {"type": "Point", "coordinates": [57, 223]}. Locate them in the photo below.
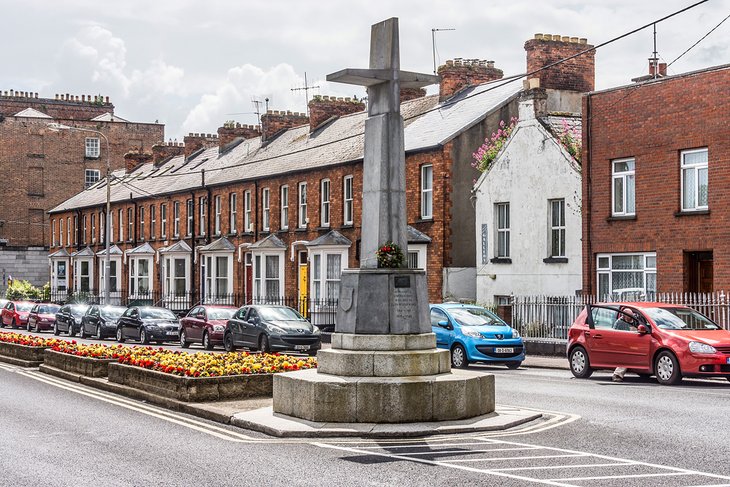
{"type": "Point", "coordinates": [700, 40]}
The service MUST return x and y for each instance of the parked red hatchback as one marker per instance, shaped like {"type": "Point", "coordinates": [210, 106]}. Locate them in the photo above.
{"type": "Point", "coordinates": [42, 317]}
{"type": "Point", "coordinates": [15, 314]}
{"type": "Point", "coordinates": [205, 324]}
{"type": "Point", "coordinates": [665, 340]}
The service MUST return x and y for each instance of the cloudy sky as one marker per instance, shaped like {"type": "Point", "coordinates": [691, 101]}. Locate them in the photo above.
{"type": "Point", "coordinates": [193, 64]}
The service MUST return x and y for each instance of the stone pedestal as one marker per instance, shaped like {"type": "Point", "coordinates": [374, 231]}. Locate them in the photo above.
{"type": "Point", "coordinates": [383, 379]}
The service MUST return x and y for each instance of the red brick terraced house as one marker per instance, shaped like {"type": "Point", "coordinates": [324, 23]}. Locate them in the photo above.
{"type": "Point", "coordinates": [273, 212]}
{"type": "Point", "coordinates": [655, 176]}
{"type": "Point", "coordinates": [40, 169]}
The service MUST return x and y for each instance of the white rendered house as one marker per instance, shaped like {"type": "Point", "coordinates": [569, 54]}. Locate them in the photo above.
{"type": "Point", "coordinates": [528, 210]}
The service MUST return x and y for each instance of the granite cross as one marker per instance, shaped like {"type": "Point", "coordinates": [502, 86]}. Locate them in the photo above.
{"type": "Point", "coordinates": [383, 197]}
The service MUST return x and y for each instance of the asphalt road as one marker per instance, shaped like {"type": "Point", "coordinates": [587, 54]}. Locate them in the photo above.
{"type": "Point", "coordinates": [55, 433]}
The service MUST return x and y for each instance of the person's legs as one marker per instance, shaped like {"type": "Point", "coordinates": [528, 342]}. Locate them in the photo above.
{"type": "Point", "coordinates": [618, 374]}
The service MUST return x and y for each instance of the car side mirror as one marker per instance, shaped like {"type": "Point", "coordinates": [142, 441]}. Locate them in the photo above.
{"type": "Point", "coordinates": [445, 324]}
{"type": "Point", "coordinates": [642, 329]}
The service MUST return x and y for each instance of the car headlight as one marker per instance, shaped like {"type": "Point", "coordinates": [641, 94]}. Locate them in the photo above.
{"type": "Point", "coordinates": [316, 330]}
{"type": "Point", "coordinates": [471, 332]}
{"type": "Point", "coordinates": [218, 328]}
{"type": "Point", "coordinates": [699, 347]}
{"type": "Point", "coordinates": [515, 333]}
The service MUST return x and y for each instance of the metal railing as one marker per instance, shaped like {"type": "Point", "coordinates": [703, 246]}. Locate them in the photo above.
{"type": "Point", "coordinates": [550, 317]}
{"type": "Point", "coordinates": [320, 312]}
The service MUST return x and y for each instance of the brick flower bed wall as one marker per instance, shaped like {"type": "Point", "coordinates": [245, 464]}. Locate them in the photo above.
{"type": "Point", "coordinates": [90, 367]}
{"type": "Point", "coordinates": [33, 356]}
{"type": "Point", "coordinates": [192, 389]}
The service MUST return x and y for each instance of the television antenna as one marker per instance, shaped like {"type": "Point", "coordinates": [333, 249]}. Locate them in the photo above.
{"type": "Point", "coordinates": [433, 45]}
{"type": "Point", "coordinates": [306, 89]}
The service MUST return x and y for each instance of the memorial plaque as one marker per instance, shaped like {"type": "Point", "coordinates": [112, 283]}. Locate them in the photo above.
{"type": "Point", "coordinates": [405, 304]}
{"type": "Point", "coordinates": [402, 281]}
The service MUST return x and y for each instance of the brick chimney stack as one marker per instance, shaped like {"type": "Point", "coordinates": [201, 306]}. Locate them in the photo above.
{"type": "Point", "coordinates": [578, 74]}
{"type": "Point", "coordinates": [195, 142]}
{"type": "Point", "coordinates": [274, 121]}
{"type": "Point", "coordinates": [323, 108]}
{"type": "Point", "coordinates": [657, 69]}
{"type": "Point", "coordinates": [135, 158]}
{"type": "Point", "coordinates": [230, 132]}
{"type": "Point", "coordinates": [411, 93]}
{"type": "Point", "coordinates": [459, 73]}
{"type": "Point", "coordinates": [162, 151]}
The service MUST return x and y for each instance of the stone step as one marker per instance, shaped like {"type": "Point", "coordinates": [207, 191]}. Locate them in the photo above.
{"type": "Point", "coordinates": [375, 363]}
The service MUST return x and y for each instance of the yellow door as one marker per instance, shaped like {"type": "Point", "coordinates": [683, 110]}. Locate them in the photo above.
{"type": "Point", "coordinates": [303, 308]}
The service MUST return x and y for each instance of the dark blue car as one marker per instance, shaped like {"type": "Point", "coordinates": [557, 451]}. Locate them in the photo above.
{"type": "Point", "coordinates": [475, 334]}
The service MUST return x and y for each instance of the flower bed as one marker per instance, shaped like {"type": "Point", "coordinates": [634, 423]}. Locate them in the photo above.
{"type": "Point", "coordinates": [24, 350]}
{"type": "Point", "coordinates": [88, 360]}
{"type": "Point", "coordinates": [195, 377]}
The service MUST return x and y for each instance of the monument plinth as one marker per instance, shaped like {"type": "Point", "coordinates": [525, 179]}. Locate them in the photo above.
{"type": "Point", "coordinates": [383, 366]}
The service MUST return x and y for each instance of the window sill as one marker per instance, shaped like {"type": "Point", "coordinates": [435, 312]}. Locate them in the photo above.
{"type": "Point", "coordinates": [555, 260]}
{"type": "Point", "coordinates": [247, 234]}
{"type": "Point", "coordinates": [264, 232]}
{"type": "Point", "coordinates": [324, 229]}
{"type": "Point", "coordinates": [233, 234]}
{"type": "Point", "coordinates": [620, 218]}
{"type": "Point", "coordinates": [301, 229]}
{"type": "Point", "coordinates": [36, 156]}
{"type": "Point", "coordinates": [347, 227]}
{"type": "Point", "coordinates": [283, 231]}
{"type": "Point", "coordinates": [424, 220]}
{"type": "Point", "coordinates": [501, 260]}
{"type": "Point", "coordinates": [92, 158]}
{"type": "Point", "coordinates": [691, 212]}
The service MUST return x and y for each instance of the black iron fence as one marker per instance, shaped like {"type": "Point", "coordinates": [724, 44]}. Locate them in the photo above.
{"type": "Point", "coordinates": [320, 312]}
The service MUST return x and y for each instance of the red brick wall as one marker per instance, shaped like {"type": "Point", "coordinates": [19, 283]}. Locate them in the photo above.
{"type": "Point", "coordinates": [274, 121]}
{"type": "Point", "coordinates": [577, 74]}
{"type": "Point", "coordinates": [322, 108]}
{"type": "Point", "coordinates": [458, 74]}
{"type": "Point", "coordinates": [62, 106]}
{"type": "Point", "coordinates": [40, 168]}
{"type": "Point", "coordinates": [653, 123]}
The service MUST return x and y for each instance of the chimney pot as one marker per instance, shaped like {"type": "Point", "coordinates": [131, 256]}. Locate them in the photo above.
{"type": "Point", "coordinates": [565, 39]}
{"type": "Point", "coordinates": [538, 36]}
{"type": "Point", "coordinates": [458, 74]}
{"type": "Point", "coordinates": [574, 40]}
{"type": "Point", "coordinates": [327, 107]}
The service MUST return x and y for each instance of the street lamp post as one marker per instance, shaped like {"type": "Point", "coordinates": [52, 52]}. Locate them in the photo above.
{"type": "Point", "coordinates": [107, 227]}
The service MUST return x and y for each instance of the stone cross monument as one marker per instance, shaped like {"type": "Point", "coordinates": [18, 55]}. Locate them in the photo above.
{"type": "Point", "coordinates": [383, 366]}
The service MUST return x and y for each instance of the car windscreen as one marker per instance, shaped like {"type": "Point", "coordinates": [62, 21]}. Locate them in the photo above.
{"type": "Point", "coordinates": [48, 310]}
{"type": "Point", "coordinates": [220, 313]}
{"type": "Point", "coordinates": [680, 319]}
{"type": "Point", "coordinates": [112, 312]}
{"type": "Point", "coordinates": [24, 307]}
{"type": "Point", "coordinates": [157, 314]}
{"type": "Point", "coordinates": [279, 313]}
{"type": "Point", "coordinates": [474, 317]}
{"type": "Point", "coordinates": [79, 310]}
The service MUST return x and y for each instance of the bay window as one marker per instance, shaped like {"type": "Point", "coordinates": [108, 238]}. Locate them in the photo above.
{"type": "Point", "coordinates": [217, 278]}
{"type": "Point", "coordinates": [140, 275]}
{"type": "Point", "coordinates": [268, 276]}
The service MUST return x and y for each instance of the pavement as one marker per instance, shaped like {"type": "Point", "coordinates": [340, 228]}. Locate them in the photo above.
{"type": "Point", "coordinates": [545, 362]}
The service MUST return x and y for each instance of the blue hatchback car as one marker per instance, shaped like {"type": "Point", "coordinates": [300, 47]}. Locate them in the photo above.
{"type": "Point", "coordinates": [475, 334]}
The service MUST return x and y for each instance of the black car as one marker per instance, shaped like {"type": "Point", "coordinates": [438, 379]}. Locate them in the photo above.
{"type": "Point", "coordinates": [101, 321]}
{"type": "Point", "coordinates": [271, 328]}
{"type": "Point", "coordinates": [146, 323]}
{"type": "Point", "coordinates": [68, 319]}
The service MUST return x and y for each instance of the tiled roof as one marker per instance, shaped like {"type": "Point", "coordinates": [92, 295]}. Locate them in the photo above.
{"type": "Point", "coordinates": [222, 244]}
{"type": "Point", "coordinates": [333, 237]}
{"type": "Point", "coordinates": [416, 236]}
{"type": "Point", "coordinates": [269, 242]}
{"type": "Point", "coordinates": [32, 113]}
{"type": "Point", "coordinates": [177, 247]}
{"type": "Point", "coordinates": [558, 123]}
{"type": "Point", "coordinates": [427, 122]}
{"type": "Point", "coordinates": [144, 249]}
{"type": "Point", "coordinates": [60, 254]}
{"type": "Point", "coordinates": [113, 250]}
{"type": "Point", "coordinates": [85, 252]}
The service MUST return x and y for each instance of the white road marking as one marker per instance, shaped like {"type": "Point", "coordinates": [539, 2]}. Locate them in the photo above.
{"type": "Point", "coordinates": [629, 476]}
{"type": "Point", "coordinates": [449, 452]}
{"type": "Point", "coordinates": [579, 465]}
{"type": "Point", "coordinates": [501, 459]}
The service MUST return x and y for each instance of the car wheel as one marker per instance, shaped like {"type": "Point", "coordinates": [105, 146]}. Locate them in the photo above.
{"type": "Point", "coordinates": [82, 331]}
{"type": "Point", "coordinates": [37, 327]}
{"type": "Point", "coordinates": [228, 343]}
{"type": "Point", "coordinates": [71, 330]}
{"type": "Point", "coordinates": [143, 338]}
{"type": "Point", "coordinates": [580, 366]}
{"type": "Point", "coordinates": [27, 326]}
{"type": "Point", "coordinates": [207, 344]}
{"type": "Point", "coordinates": [55, 329]}
{"type": "Point", "coordinates": [12, 324]}
{"type": "Point", "coordinates": [184, 339]}
{"type": "Point", "coordinates": [120, 335]}
{"type": "Point", "coordinates": [666, 368]}
{"type": "Point", "coordinates": [458, 357]}
{"type": "Point", "coordinates": [264, 346]}
{"type": "Point", "coordinates": [513, 365]}
{"type": "Point", "coordinates": [99, 336]}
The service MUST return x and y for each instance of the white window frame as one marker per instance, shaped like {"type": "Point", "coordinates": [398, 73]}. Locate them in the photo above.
{"type": "Point", "coordinates": [427, 192]}
{"type": "Point", "coordinates": [624, 177]}
{"type": "Point", "coordinates": [76, 230]}
{"type": "Point", "coordinates": [163, 221]}
{"type": "Point", "coordinates": [604, 267]}
{"type": "Point", "coordinates": [153, 222]}
{"type": "Point", "coordinates": [265, 209]}
{"type": "Point", "coordinates": [348, 208]}
{"type": "Point", "coordinates": [169, 276]}
{"type": "Point", "coordinates": [247, 220]}
{"type": "Point", "coordinates": [117, 260]}
{"type": "Point", "coordinates": [134, 276]}
{"type": "Point", "coordinates": [102, 225]}
{"type": "Point", "coordinates": [53, 232]}
{"type": "Point", "coordinates": [232, 213]}
{"type": "Point", "coordinates": [325, 196]}
{"type": "Point", "coordinates": [120, 217]}
{"type": "Point", "coordinates": [93, 228]}
{"type": "Point", "coordinates": [91, 177]}
{"type": "Point", "coordinates": [68, 231]}
{"type": "Point", "coordinates": [556, 227]}
{"type": "Point", "coordinates": [130, 223]}
{"type": "Point", "coordinates": [189, 216]}
{"type": "Point", "coordinates": [217, 221]}
{"type": "Point", "coordinates": [210, 277]}
{"type": "Point", "coordinates": [419, 252]}
{"type": "Point", "coordinates": [320, 280]}
{"type": "Point", "coordinates": [141, 222]}
{"type": "Point", "coordinates": [60, 232]}
{"type": "Point", "coordinates": [260, 277]}
{"type": "Point", "coordinates": [78, 276]}
{"type": "Point", "coordinates": [92, 147]}
{"type": "Point", "coordinates": [302, 219]}
{"type": "Point", "coordinates": [176, 219]}
{"type": "Point", "coordinates": [58, 284]}
{"type": "Point", "coordinates": [111, 226]}
{"type": "Point", "coordinates": [694, 168]}
{"type": "Point", "coordinates": [284, 207]}
{"type": "Point", "coordinates": [86, 228]}
{"type": "Point", "coordinates": [202, 203]}
{"type": "Point", "coordinates": [502, 247]}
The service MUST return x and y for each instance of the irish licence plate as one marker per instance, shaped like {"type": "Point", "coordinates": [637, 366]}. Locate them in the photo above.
{"type": "Point", "coordinates": [504, 350]}
{"type": "Point", "coordinates": [301, 347]}
{"type": "Point", "coordinates": [171, 333]}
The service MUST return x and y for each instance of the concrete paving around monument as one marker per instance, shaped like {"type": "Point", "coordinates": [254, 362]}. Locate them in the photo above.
{"type": "Point", "coordinates": [264, 420]}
